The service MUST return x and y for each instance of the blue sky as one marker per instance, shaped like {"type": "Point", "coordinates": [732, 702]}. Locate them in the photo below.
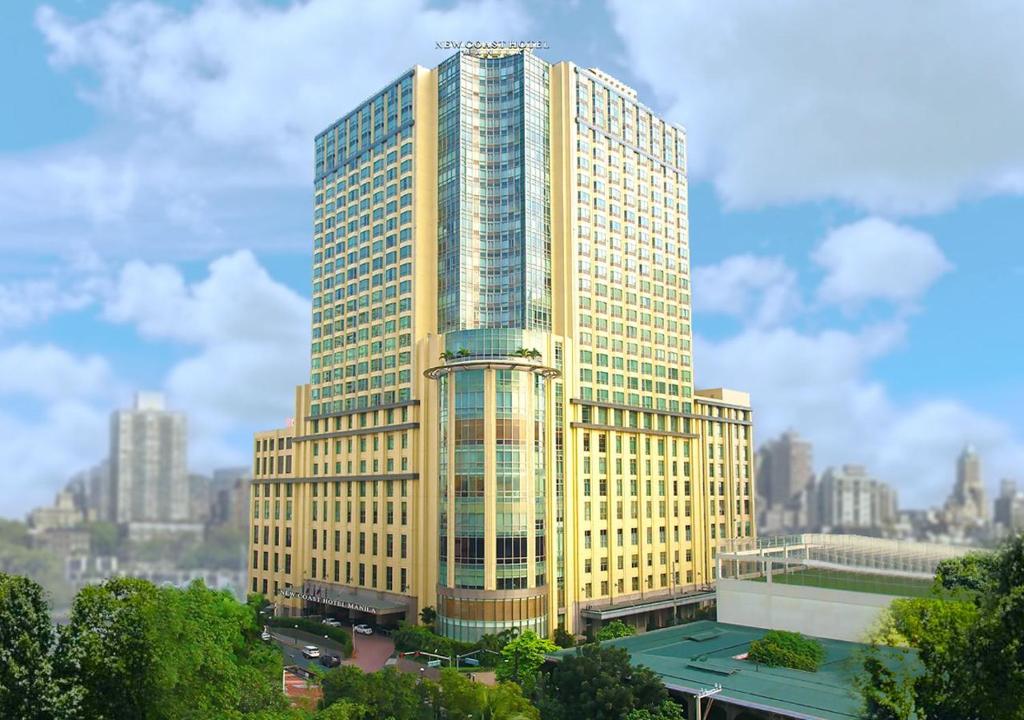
{"type": "Point", "coordinates": [855, 203]}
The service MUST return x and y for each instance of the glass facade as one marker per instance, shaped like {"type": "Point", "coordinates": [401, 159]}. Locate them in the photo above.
{"type": "Point", "coordinates": [468, 477]}
{"type": "Point", "coordinates": [494, 235]}
{"type": "Point", "coordinates": [468, 618]}
{"type": "Point", "coordinates": [493, 497]}
{"type": "Point", "coordinates": [494, 300]}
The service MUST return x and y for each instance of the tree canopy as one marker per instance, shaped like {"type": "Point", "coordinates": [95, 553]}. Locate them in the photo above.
{"type": "Point", "coordinates": [522, 657]}
{"type": "Point", "coordinates": [401, 696]}
{"type": "Point", "coordinates": [615, 629]}
{"type": "Point", "coordinates": [27, 686]}
{"type": "Point", "coordinates": [967, 662]}
{"type": "Point", "coordinates": [131, 649]}
{"type": "Point", "coordinates": [600, 683]}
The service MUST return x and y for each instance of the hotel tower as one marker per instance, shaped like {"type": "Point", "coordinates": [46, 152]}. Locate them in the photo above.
{"type": "Point", "coordinates": [500, 421]}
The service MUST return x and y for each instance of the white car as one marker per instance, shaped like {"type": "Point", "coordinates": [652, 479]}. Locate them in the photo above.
{"type": "Point", "coordinates": [311, 651]}
{"type": "Point", "coordinates": [363, 629]}
{"type": "Point", "coordinates": [331, 622]}
{"type": "Point", "coordinates": [265, 635]}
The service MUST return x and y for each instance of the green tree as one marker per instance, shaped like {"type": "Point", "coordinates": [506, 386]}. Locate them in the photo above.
{"type": "Point", "coordinates": [939, 630]}
{"type": "Point", "coordinates": [27, 686]}
{"type": "Point", "coordinates": [971, 574]}
{"type": "Point", "coordinates": [428, 615]}
{"type": "Point", "coordinates": [461, 697]}
{"type": "Point", "coordinates": [505, 701]}
{"type": "Point", "coordinates": [384, 694]}
{"type": "Point", "coordinates": [134, 650]}
{"type": "Point", "coordinates": [599, 682]}
{"type": "Point", "coordinates": [967, 641]}
{"type": "Point", "coordinates": [343, 710]}
{"type": "Point", "coordinates": [668, 710]}
{"type": "Point", "coordinates": [397, 695]}
{"type": "Point", "coordinates": [563, 639]}
{"type": "Point", "coordinates": [888, 693]}
{"type": "Point", "coordinates": [522, 657]}
{"type": "Point", "coordinates": [108, 649]}
{"type": "Point", "coordinates": [615, 629]}
{"type": "Point", "coordinates": [39, 564]}
{"type": "Point", "coordinates": [343, 682]}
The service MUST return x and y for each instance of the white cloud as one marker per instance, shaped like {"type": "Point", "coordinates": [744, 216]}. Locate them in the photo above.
{"type": "Point", "coordinates": [887, 105]}
{"type": "Point", "coordinates": [76, 281]}
{"type": "Point", "coordinates": [268, 78]}
{"type": "Point", "coordinates": [759, 290]}
{"type": "Point", "coordinates": [251, 336]}
{"type": "Point", "coordinates": [26, 302]}
{"type": "Point", "coordinates": [54, 409]}
{"type": "Point", "coordinates": [47, 372]}
{"type": "Point", "coordinates": [876, 259]}
{"type": "Point", "coordinates": [40, 454]}
{"type": "Point", "coordinates": [206, 118]}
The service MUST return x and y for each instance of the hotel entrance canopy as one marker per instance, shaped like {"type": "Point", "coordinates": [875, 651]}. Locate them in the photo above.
{"type": "Point", "coordinates": [337, 596]}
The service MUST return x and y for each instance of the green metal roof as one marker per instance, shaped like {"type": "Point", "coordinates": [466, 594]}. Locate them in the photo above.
{"type": "Point", "coordinates": [702, 654]}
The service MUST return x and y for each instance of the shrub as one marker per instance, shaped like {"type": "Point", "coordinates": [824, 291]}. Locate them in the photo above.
{"type": "Point", "coordinates": [615, 629]}
{"type": "Point", "coordinates": [563, 639]}
{"type": "Point", "coordinates": [338, 635]}
{"type": "Point", "coordinates": [779, 648]}
{"type": "Point", "coordinates": [417, 637]}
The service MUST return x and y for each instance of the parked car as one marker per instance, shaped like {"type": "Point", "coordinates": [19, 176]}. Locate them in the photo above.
{"type": "Point", "coordinates": [311, 651]}
{"type": "Point", "coordinates": [265, 635]}
{"type": "Point", "coordinates": [363, 629]}
{"type": "Point", "coordinates": [332, 622]}
{"type": "Point", "coordinates": [330, 660]}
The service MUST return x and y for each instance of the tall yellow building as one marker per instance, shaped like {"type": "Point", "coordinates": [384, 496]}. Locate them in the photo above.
{"type": "Point", "coordinates": [500, 421]}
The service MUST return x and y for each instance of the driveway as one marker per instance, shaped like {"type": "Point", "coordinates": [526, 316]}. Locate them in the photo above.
{"type": "Point", "coordinates": [291, 641]}
{"type": "Point", "coordinates": [370, 652]}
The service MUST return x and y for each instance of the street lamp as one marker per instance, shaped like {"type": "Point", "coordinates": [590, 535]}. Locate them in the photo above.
{"type": "Point", "coordinates": [706, 692]}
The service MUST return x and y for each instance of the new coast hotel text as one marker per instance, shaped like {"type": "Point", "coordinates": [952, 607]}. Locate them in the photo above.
{"type": "Point", "coordinates": [500, 421]}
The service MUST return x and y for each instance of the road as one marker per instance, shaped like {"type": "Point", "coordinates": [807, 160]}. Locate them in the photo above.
{"type": "Point", "coordinates": [370, 651]}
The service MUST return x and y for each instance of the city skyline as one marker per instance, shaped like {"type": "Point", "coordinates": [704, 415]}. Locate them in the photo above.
{"type": "Point", "coordinates": [95, 285]}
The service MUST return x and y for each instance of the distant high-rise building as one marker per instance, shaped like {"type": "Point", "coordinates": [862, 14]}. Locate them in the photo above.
{"type": "Point", "coordinates": [850, 498]}
{"type": "Point", "coordinates": [967, 504]}
{"type": "Point", "coordinates": [226, 477]}
{"type": "Point", "coordinates": [1009, 506]}
{"type": "Point", "coordinates": [148, 463]}
{"type": "Point", "coordinates": [785, 484]}
{"type": "Point", "coordinates": [97, 480]}
{"type": "Point", "coordinates": [200, 497]}
{"type": "Point", "coordinates": [230, 497]}
{"type": "Point", "coordinates": [785, 468]}
{"type": "Point", "coordinates": [1002, 506]}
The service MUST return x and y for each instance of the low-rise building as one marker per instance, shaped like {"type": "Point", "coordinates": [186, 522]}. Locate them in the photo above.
{"type": "Point", "coordinates": [709, 659]}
